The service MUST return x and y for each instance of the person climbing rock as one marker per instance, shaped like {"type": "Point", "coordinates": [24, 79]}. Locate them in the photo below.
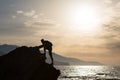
{"type": "Point", "coordinates": [47, 45]}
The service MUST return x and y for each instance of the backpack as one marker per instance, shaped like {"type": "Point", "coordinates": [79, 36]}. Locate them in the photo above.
{"type": "Point", "coordinates": [49, 43]}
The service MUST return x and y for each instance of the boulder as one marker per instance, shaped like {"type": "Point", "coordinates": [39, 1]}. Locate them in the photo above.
{"type": "Point", "coordinates": [26, 63]}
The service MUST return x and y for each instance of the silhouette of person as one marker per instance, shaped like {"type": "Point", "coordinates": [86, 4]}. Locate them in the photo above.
{"type": "Point", "coordinates": [47, 45]}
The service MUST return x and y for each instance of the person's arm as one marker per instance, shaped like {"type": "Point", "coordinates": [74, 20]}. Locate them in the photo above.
{"type": "Point", "coordinates": [42, 46]}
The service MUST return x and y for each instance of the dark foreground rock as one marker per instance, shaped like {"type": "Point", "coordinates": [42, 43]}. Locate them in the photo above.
{"type": "Point", "coordinates": [26, 63]}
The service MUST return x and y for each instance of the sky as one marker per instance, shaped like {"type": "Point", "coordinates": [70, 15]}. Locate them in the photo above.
{"type": "Point", "coordinates": [85, 29]}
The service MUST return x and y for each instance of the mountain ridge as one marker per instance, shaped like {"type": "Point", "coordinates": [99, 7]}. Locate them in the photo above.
{"type": "Point", "coordinates": [58, 59]}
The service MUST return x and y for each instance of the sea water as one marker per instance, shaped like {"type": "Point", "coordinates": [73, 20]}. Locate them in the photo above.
{"type": "Point", "coordinates": [89, 72]}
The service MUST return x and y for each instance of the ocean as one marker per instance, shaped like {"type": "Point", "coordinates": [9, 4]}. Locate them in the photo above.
{"type": "Point", "coordinates": [89, 72]}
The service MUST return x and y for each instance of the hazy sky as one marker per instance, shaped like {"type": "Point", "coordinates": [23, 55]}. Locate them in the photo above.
{"type": "Point", "coordinates": [84, 29]}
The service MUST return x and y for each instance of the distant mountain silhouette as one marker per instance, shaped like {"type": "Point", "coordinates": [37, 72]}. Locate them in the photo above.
{"type": "Point", "coordinates": [58, 59]}
{"type": "Point", "coordinates": [7, 48]}
{"type": "Point", "coordinates": [26, 63]}
{"type": "Point", "coordinates": [73, 61]}
{"type": "Point", "coordinates": [2, 53]}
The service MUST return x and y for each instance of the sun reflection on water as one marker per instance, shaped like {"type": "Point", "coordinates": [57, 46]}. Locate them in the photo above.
{"type": "Point", "coordinates": [88, 72]}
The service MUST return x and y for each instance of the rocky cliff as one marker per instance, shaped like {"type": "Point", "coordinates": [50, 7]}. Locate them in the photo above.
{"type": "Point", "coordinates": [26, 63]}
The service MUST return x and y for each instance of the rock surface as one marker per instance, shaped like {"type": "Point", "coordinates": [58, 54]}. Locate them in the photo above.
{"type": "Point", "coordinates": [26, 63]}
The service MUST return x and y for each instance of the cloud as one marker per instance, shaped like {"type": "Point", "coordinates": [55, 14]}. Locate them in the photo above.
{"type": "Point", "coordinates": [34, 19]}
{"type": "Point", "coordinates": [13, 17]}
{"type": "Point", "coordinates": [112, 38]}
{"type": "Point", "coordinates": [28, 23]}
{"type": "Point", "coordinates": [27, 14]}
{"type": "Point", "coordinates": [35, 16]}
{"type": "Point", "coordinates": [39, 24]}
{"type": "Point", "coordinates": [16, 29]}
{"type": "Point", "coordinates": [108, 1]}
{"type": "Point", "coordinates": [44, 24]}
{"type": "Point", "coordinates": [114, 47]}
{"type": "Point", "coordinates": [111, 28]}
{"type": "Point", "coordinates": [20, 12]}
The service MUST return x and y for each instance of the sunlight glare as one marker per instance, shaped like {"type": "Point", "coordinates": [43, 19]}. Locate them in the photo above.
{"type": "Point", "coordinates": [85, 19]}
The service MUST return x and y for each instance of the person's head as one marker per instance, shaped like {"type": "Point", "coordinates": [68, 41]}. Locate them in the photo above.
{"type": "Point", "coordinates": [42, 40]}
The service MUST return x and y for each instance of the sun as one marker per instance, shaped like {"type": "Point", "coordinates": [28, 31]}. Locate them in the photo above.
{"type": "Point", "coordinates": [85, 19]}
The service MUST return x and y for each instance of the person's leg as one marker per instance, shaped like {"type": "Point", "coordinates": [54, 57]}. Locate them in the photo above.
{"type": "Point", "coordinates": [45, 53]}
{"type": "Point", "coordinates": [50, 53]}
